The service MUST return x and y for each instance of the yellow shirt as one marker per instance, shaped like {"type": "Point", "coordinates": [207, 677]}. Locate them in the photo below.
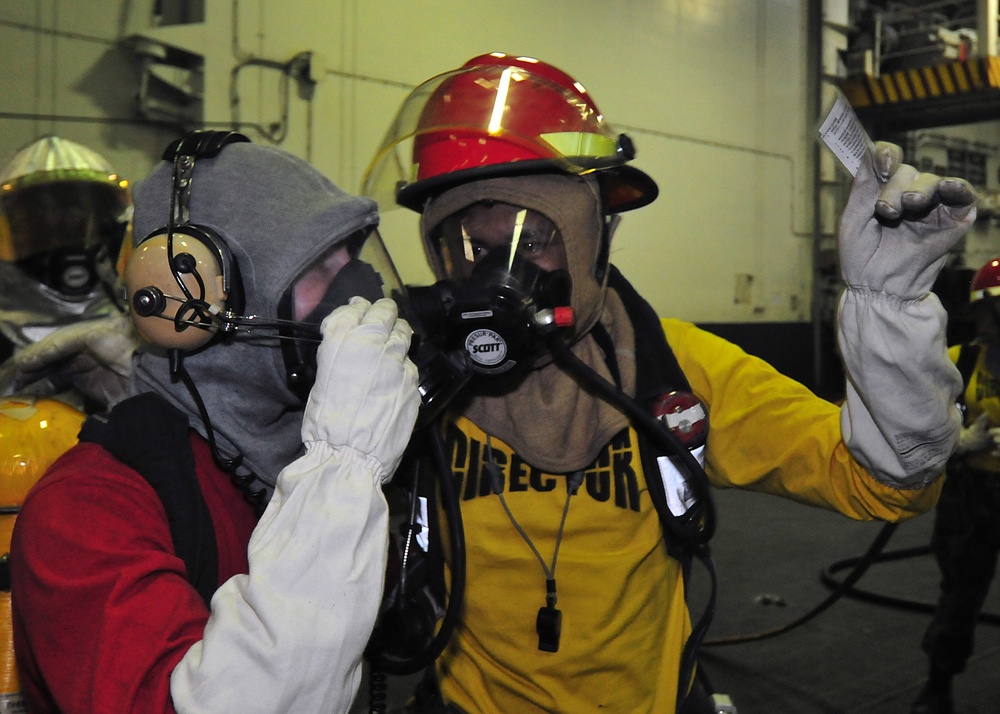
{"type": "Point", "coordinates": [624, 619]}
{"type": "Point", "coordinates": [982, 394]}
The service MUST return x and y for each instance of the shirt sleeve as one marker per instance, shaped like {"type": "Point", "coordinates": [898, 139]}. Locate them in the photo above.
{"type": "Point", "coordinates": [289, 636]}
{"type": "Point", "coordinates": [102, 608]}
{"type": "Point", "coordinates": [106, 621]}
{"type": "Point", "coordinates": [769, 433]}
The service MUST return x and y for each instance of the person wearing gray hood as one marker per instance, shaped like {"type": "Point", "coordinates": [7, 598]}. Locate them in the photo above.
{"type": "Point", "coordinates": [244, 257]}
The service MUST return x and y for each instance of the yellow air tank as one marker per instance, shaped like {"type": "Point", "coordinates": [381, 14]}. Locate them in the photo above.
{"type": "Point", "coordinates": [34, 432]}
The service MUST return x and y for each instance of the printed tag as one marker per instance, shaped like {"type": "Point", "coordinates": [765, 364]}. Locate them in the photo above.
{"type": "Point", "coordinates": [845, 136]}
{"type": "Point", "coordinates": [680, 498]}
{"type": "Point", "coordinates": [423, 537]}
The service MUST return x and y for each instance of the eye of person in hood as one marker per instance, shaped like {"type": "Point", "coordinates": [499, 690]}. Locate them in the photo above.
{"type": "Point", "coordinates": [311, 288]}
{"type": "Point", "coordinates": [474, 231]}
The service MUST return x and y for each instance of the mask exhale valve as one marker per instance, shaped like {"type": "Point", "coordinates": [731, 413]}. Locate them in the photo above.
{"type": "Point", "coordinates": [493, 324]}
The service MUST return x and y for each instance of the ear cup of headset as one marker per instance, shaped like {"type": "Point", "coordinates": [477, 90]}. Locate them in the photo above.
{"type": "Point", "coordinates": [179, 277]}
{"type": "Point", "coordinates": [162, 312]}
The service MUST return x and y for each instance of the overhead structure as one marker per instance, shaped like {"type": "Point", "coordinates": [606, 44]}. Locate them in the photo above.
{"type": "Point", "coordinates": [922, 64]}
{"type": "Point", "coordinates": [944, 94]}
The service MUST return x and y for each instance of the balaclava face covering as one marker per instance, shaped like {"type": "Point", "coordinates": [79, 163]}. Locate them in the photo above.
{"type": "Point", "coordinates": [277, 215]}
{"type": "Point", "coordinates": [571, 202]}
{"type": "Point", "coordinates": [548, 419]}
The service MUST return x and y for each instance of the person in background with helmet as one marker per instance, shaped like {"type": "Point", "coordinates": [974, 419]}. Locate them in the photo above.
{"type": "Point", "coordinates": [63, 214]}
{"type": "Point", "coordinates": [575, 591]}
{"type": "Point", "coordinates": [966, 536]}
{"type": "Point", "coordinates": [143, 579]}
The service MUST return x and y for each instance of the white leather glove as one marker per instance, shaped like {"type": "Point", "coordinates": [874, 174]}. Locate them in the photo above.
{"type": "Point", "coordinates": [289, 635]}
{"type": "Point", "coordinates": [899, 418]}
{"type": "Point", "coordinates": [94, 356]}
{"type": "Point", "coordinates": [899, 247]}
{"type": "Point", "coordinates": [365, 396]}
{"type": "Point", "coordinates": [977, 436]}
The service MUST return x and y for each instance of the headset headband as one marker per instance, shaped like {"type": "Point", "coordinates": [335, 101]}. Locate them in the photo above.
{"type": "Point", "coordinates": [182, 153]}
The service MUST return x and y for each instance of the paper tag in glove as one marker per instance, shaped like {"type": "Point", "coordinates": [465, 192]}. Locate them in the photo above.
{"type": "Point", "coordinates": [843, 133]}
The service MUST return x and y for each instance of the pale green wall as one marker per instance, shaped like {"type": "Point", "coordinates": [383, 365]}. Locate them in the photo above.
{"type": "Point", "coordinates": [713, 92]}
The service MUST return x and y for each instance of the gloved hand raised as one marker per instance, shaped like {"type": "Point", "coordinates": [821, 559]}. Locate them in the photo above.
{"type": "Point", "coordinates": [899, 419]}
{"type": "Point", "coordinates": [93, 356]}
{"type": "Point", "coordinates": [318, 553]}
{"type": "Point", "coordinates": [365, 396]}
{"type": "Point", "coordinates": [899, 247]}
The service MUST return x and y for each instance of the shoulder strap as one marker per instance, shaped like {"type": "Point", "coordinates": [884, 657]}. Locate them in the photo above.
{"type": "Point", "coordinates": [150, 436]}
{"type": "Point", "coordinates": [657, 373]}
{"type": "Point", "coordinates": [657, 370]}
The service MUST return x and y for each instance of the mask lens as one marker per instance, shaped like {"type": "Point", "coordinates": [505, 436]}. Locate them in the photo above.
{"type": "Point", "coordinates": [466, 238]}
{"type": "Point", "coordinates": [357, 266]}
{"type": "Point", "coordinates": [331, 282]}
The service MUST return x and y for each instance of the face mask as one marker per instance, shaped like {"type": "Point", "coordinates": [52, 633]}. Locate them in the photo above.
{"type": "Point", "coordinates": [495, 321]}
{"type": "Point", "coordinates": [324, 286]}
{"type": "Point", "coordinates": [354, 278]}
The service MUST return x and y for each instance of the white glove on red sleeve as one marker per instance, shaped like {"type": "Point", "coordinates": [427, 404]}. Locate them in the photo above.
{"type": "Point", "coordinates": [899, 418]}
{"type": "Point", "coordinates": [365, 394]}
{"type": "Point", "coordinates": [289, 636]}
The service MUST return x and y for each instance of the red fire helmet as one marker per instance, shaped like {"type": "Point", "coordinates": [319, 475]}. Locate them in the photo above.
{"type": "Point", "coordinates": [986, 281]}
{"type": "Point", "coordinates": [500, 115]}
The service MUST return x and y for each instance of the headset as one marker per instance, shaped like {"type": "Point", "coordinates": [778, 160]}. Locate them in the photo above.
{"type": "Point", "coordinates": [181, 281]}
{"type": "Point", "coordinates": [183, 287]}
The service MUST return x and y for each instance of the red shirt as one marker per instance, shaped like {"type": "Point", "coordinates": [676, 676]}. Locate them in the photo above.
{"type": "Point", "coordinates": [102, 608]}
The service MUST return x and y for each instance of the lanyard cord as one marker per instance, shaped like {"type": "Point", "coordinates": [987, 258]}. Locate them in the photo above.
{"type": "Point", "coordinates": [573, 483]}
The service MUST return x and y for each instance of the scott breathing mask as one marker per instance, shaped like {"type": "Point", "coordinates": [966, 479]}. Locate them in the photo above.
{"type": "Point", "coordinates": [507, 287]}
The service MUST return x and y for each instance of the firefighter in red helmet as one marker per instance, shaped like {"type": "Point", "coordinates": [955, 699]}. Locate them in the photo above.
{"type": "Point", "coordinates": [580, 516]}
{"type": "Point", "coordinates": [966, 536]}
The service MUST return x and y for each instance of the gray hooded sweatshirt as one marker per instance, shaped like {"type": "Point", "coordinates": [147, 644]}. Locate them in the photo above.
{"type": "Point", "coordinates": [277, 215]}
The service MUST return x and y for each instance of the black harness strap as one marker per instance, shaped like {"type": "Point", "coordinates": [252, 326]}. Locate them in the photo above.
{"type": "Point", "coordinates": [657, 370]}
{"type": "Point", "coordinates": [150, 436]}
{"type": "Point", "coordinates": [657, 373]}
